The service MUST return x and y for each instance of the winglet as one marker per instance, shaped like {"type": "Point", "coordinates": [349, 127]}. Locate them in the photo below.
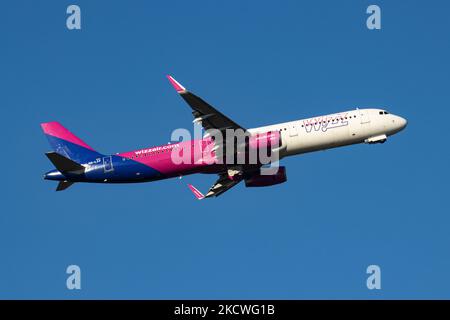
{"type": "Point", "coordinates": [196, 193]}
{"type": "Point", "coordinates": [176, 84]}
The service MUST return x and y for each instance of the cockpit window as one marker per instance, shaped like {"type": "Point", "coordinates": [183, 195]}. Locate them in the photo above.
{"type": "Point", "coordinates": [381, 112]}
{"type": "Point", "coordinates": [386, 112]}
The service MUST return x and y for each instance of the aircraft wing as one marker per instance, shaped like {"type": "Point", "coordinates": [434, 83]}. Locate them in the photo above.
{"type": "Point", "coordinates": [210, 118]}
{"type": "Point", "coordinates": [203, 112]}
{"type": "Point", "coordinates": [224, 183]}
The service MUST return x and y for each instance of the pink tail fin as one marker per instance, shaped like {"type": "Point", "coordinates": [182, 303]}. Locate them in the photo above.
{"type": "Point", "coordinates": [67, 144]}
{"type": "Point", "coordinates": [57, 130]}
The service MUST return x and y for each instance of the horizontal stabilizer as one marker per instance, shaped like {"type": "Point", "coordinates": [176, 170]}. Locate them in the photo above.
{"type": "Point", "coordinates": [64, 164]}
{"type": "Point", "coordinates": [63, 185]}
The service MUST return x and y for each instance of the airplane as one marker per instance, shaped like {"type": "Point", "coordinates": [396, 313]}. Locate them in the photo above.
{"type": "Point", "coordinates": [75, 161]}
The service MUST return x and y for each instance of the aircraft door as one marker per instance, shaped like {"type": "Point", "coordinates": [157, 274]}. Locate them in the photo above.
{"type": "Point", "coordinates": [354, 129]}
{"type": "Point", "coordinates": [364, 114]}
{"type": "Point", "coordinates": [357, 129]}
{"type": "Point", "coordinates": [293, 132]}
{"type": "Point", "coordinates": [108, 164]}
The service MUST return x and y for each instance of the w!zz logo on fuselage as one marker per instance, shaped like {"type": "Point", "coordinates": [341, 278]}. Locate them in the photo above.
{"type": "Point", "coordinates": [326, 122]}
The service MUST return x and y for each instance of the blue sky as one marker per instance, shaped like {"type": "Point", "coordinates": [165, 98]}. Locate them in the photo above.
{"type": "Point", "coordinates": [259, 62]}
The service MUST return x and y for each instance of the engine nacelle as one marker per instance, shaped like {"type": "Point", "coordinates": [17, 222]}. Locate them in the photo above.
{"type": "Point", "coordinates": [260, 180]}
{"type": "Point", "coordinates": [266, 140]}
{"type": "Point", "coordinates": [244, 148]}
{"type": "Point", "coordinates": [260, 147]}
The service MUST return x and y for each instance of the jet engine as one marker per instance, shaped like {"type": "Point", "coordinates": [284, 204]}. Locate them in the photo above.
{"type": "Point", "coordinates": [259, 147]}
{"type": "Point", "coordinates": [271, 139]}
{"type": "Point", "coordinates": [260, 180]}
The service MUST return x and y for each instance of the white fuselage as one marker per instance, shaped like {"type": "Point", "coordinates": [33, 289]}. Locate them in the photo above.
{"type": "Point", "coordinates": [335, 130]}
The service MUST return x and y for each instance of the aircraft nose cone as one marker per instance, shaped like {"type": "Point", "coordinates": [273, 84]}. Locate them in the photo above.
{"type": "Point", "coordinates": [398, 123]}
{"type": "Point", "coordinates": [402, 122]}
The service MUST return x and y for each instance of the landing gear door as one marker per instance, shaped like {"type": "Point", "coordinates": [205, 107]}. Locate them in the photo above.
{"type": "Point", "coordinates": [108, 164]}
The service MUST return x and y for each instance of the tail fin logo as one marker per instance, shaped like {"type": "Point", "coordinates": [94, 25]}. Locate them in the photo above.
{"type": "Point", "coordinates": [67, 144]}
